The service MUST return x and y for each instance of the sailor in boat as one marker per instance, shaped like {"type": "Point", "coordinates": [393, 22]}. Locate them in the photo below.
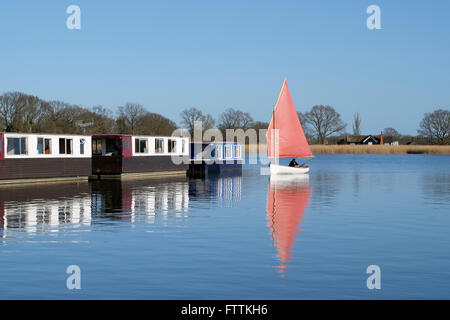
{"type": "Point", "coordinates": [294, 163]}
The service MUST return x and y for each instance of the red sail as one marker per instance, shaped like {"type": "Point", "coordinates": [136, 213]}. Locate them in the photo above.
{"type": "Point", "coordinates": [292, 142]}
{"type": "Point", "coordinates": [286, 205]}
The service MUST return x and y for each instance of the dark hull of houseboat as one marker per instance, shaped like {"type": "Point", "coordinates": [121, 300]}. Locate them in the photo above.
{"type": "Point", "coordinates": [50, 192]}
{"type": "Point", "coordinates": [202, 169]}
{"type": "Point", "coordinates": [31, 169]}
{"type": "Point", "coordinates": [117, 165]}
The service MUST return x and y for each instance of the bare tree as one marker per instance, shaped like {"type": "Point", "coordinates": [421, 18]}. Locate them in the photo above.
{"type": "Point", "coordinates": [53, 116]}
{"type": "Point", "coordinates": [33, 113]}
{"type": "Point", "coordinates": [70, 118]}
{"type": "Point", "coordinates": [391, 132]}
{"type": "Point", "coordinates": [357, 124]}
{"type": "Point", "coordinates": [235, 119]}
{"type": "Point", "coordinates": [11, 111]}
{"type": "Point", "coordinates": [436, 126]}
{"type": "Point", "coordinates": [101, 119]}
{"type": "Point", "coordinates": [7, 111]}
{"type": "Point", "coordinates": [306, 127]}
{"type": "Point", "coordinates": [156, 124]}
{"type": "Point", "coordinates": [324, 121]}
{"type": "Point", "coordinates": [129, 116]}
{"type": "Point", "coordinates": [191, 115]}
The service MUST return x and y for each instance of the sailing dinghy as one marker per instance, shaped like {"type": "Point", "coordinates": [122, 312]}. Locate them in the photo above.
{"type": "Point", "coordinates": [285, 136]}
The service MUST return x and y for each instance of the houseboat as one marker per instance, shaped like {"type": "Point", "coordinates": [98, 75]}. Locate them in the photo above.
{"type": "Point", "coordinates": [215, 158]}
{"type": "Point", "coordinates": [27, 157]}
{"type": "Point", "coordinates": [121, 156]}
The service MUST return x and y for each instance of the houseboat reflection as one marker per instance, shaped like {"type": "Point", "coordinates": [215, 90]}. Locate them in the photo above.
{"type": "Point", "coordinates": [287, 199]}
{"type": "Point", "coordinates": [50, 207]}
{"type": "Point", "coordinates": [217, 189]}
{"type": "Point", "coordinates": [31, 209]}
{"type": "Point", "coordinates": [140, 200]}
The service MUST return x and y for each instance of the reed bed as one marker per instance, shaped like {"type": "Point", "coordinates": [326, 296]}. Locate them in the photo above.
{"type": "Point", "coordinates": [363, 149]}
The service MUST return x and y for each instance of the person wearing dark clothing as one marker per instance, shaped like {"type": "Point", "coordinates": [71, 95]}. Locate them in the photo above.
{"type": "Point", "coordinates": [293, 163]}
{"type": "Point", "coordinates": [116, 150]}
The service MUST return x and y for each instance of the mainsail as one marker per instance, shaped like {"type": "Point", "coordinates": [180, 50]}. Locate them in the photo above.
{"type": "Point", "coordinates": [292, 142]}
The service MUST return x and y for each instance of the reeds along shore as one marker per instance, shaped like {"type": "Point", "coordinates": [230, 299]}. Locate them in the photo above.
{"type": "Point", "coordinates": [363, 149]}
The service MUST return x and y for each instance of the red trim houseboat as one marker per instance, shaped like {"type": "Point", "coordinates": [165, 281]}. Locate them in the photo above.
{"type": "Point", "coordinates": [117, 156]}
{"type": "Point", "coordinates": [29, 157]}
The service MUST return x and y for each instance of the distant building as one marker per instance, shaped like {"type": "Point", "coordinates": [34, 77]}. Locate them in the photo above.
{"type": "Point", "coordinates": [355, 139]}
{"type": "Point", "coordinates": [369, 140]}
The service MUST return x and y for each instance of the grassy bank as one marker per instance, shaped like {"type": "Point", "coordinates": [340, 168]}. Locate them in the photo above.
{"type": "Point", "coordinates": [363, 149]}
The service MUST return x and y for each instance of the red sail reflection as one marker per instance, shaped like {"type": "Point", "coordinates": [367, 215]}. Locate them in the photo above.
{"type": "Point", "coordinates": [2, 216]}
{"type": "Point", "coordinates": [286, 201]}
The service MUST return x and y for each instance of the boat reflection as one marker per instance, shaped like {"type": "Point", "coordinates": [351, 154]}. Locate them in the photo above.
{"type": "Point", "coordinates": [287, 199]}
{"type": "Point", "coordinates": [49, 207]}
{"type": "Point", "coordinates": [44, 208]}
{"type": "Point", "coordinates": [140, 200]}
{"type": "Point", "coordinates": [221, 190]}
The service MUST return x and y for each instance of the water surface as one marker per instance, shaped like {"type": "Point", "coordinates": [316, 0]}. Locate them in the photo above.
{"type": "Point", "coordinates": [236, 237]}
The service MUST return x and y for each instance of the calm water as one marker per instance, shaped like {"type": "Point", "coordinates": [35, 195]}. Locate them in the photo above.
{"type": "Point", "coordinates": [240, 237]}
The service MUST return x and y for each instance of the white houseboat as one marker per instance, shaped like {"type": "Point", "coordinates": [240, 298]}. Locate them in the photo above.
{"type": "Point", "coordinates": [29, 157]}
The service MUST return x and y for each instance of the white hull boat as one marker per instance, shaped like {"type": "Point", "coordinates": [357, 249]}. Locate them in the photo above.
{"type": "Point", "coordinates": [281, 170]}
{"type": "Point", "coordinates": [280, 181]}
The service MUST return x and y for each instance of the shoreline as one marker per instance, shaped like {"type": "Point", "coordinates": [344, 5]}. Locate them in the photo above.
{"type": "Point", "coordinates": [362, 149]}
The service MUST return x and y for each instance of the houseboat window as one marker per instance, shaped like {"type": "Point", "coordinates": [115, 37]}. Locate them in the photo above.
{"type": "Point", "coordinates": [44, 146]}
{"type": "Point", "coordinates": [183, 146]}
{"type": "Point", "coordinates": [65, 146]}
{"type": "Point", "coordinates": [82, 142]}
{"type": "Point", "coordinates": [159, 145]}
{"type": "Point", "coordinates": [97, 146]}
{"type": "Point", "coordinates": [237, 151]}
{"type": "Point", "coordinates": [219, 152]}
{"type": "Point", "coordinates": [17, 146]}
{"type": "Point", "coordinates": [141, 145]}
{"type": "Point", "coordinates": [113, 147]}
{"type": "Point", "coordinates": [227, 152]}
{"type": "Point", "coordinates": [172, 146]}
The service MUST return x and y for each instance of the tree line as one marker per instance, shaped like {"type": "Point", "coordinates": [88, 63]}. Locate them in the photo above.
{"type": "Point", "coordinates": [20, 112]}
{"type": "Point", "coordinates": [322, 124]}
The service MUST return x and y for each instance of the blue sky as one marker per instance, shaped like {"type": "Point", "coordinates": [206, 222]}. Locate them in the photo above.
{"type": "Point", "coordinates": [170, 55]}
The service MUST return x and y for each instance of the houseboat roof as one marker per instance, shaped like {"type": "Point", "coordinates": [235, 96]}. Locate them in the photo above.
{"type": "Point", "coordinates": [46, 134]}
{"type": "Point", "coordinates": [217, 142]}
{"type": "Point", "coordinates": [119, 135]}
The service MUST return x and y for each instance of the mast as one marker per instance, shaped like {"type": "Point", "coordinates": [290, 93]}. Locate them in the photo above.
{"type": "Point", "coordinates": [274, 138]}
